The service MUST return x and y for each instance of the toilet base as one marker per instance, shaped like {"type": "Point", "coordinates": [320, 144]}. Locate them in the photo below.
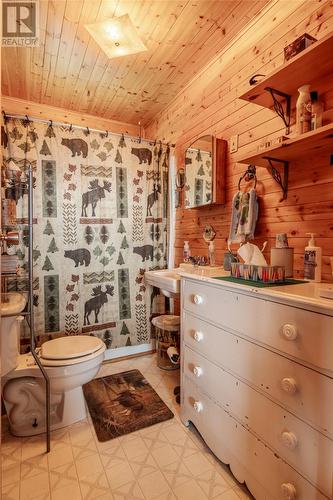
{"type": "Point", "coordinates": [24, 393]}
{"type": "Point", "coordinates": [26, 413]}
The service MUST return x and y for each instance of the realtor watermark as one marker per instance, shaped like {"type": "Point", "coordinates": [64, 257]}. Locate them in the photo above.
{"type": "Point", "coordinates": [20, 23]}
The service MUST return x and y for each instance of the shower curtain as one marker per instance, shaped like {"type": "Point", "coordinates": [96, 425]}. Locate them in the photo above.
{"type": "Point", "coordinates": [100, 221]}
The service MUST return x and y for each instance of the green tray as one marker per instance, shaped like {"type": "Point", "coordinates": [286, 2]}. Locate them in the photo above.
{"type": "Point", "coordinates": [259, 284]}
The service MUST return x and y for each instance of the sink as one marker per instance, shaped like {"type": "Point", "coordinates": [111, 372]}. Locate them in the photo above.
{"type": "Point", "coordinates": [12, 303]}
{"type": "Point", "coordinates": [168, 280]}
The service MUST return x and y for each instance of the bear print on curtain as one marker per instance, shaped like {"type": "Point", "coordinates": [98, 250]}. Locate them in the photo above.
{"type": "Point", "coordinates": [100, 209]}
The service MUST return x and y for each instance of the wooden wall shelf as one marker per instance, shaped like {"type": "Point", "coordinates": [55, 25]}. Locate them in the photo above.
{"type": "Point", "coordinates": [276, 91]}
{"type": "Point", "coordinates": [316, 141]}
{"type": "Point", "coordinates": [313, 63]}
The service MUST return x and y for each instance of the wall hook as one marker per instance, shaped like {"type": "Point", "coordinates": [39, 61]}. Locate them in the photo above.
{"type": "Point", "coordinates": [254, 79]}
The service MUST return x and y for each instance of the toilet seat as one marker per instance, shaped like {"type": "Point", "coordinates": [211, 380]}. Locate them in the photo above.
{"type": "Point", "coordinates": [65, 351]}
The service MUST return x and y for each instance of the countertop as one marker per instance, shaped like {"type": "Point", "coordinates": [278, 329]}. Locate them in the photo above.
{"type": "Point", "coordinates": [303, 295]}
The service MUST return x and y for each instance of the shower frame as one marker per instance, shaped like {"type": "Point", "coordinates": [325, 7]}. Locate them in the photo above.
{"type": "Point", "coordinates": [31, 310]}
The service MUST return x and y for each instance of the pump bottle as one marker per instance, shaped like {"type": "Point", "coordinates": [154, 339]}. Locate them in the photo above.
{"type": "Point", "coordinates": [312, 260]}
{"type": "Point", "coordinates": [186, 251]}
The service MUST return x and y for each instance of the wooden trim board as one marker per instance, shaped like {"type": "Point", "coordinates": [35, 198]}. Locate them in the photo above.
{"type": "Point", "coordinates": [219, 166]}
{"type": "Point", "coordinates": [13, 105]}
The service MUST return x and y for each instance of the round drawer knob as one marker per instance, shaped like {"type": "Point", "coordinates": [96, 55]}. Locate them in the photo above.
{"type": "Point", "coordinates": [289, 331]}
{"type": "Point", "coordinates": [198, 336]}
{"type": "Point", "coordinates": [288, 491]}
{"type": "Point", "coordinates": [197, 371]}
{"type": "Point", "coordinates": [289, 385]}
{"type": "Point", "coordinates": [197, 299]}
{"type": "Point", "coordinates": [197, 405]}
{"type": "Point", "coordinates": [289, 440]}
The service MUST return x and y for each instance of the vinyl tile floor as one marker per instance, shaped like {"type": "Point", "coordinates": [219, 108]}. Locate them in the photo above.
{"type": "Point", "coordinates": [167, 461]}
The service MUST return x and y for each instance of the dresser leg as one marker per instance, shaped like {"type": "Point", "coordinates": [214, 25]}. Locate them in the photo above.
{"type": "Point", "coordinates": [184, 419]}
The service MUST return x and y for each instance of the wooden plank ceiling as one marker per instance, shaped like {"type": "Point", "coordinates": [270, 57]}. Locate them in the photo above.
{"type": "Point", "coordinates": [70, 71]}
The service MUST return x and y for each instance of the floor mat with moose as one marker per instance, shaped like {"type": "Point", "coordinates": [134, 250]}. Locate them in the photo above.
{"type": "Point", "coordinates": [123, 403]}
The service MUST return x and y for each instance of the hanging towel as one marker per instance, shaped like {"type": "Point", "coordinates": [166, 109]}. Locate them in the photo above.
{"type": "Point", "coordinates": [244, 216]}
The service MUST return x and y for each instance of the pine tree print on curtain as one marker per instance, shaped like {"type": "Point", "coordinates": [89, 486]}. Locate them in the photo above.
{"type": "Point", "coordinates": [100, 206]}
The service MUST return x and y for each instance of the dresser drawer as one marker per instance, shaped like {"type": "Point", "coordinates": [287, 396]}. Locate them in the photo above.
{"type": "Point", "coordinates": [250, 460]}
{"type": "Point", "coordinates": [299, 444]}
{"type": "Point", "coordinates": [302, 390]}
{"type": "Point", "coordinates": [302, 334]}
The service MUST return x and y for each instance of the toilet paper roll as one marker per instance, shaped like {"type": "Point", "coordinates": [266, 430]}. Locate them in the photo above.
{"type": "Point", "coordinates": [283, 257]}
{"type": "Point", "coordinates": [173, 355]}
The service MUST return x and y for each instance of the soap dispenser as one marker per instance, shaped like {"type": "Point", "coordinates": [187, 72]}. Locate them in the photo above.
{"type": "Point", "coordinates": [312, 260]}
{"type": "Point", "coordinates": [186, 251]}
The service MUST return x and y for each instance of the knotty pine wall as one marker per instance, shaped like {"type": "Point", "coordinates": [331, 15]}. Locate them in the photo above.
{"type": "Point", "coordinates": [15, 106]}
{"type": "Point", "coordinates": [209, 105]}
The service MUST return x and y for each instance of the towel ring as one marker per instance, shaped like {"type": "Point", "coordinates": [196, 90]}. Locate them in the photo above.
{"type": "Point", "coordinates": [249, 175]}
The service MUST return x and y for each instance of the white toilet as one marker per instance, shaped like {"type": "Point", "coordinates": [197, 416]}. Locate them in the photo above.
{"type": "Point", "coordinates": [70, 362]}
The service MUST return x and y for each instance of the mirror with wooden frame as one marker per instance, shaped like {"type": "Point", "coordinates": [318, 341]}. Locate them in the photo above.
{"type": "Point", "coordinates": [205, 172]}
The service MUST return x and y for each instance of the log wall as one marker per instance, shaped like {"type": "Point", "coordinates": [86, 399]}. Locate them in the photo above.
{"type": "Point", "coordinates": [209, 105]}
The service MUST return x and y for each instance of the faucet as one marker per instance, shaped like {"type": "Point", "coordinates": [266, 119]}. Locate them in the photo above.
{"type": "Point", "coordinates": [198, 260]}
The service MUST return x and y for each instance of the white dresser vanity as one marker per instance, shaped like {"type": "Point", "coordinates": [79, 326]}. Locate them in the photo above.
{"type": "Point", "coordinates": [257, 382]}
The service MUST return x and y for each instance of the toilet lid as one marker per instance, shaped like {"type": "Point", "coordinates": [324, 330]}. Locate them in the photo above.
{"type": "Point", "coordinates": [70, 347]}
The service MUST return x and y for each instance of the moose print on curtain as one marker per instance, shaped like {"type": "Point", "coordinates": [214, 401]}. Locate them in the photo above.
{"type": "Point", "coordinates": [100, 208]}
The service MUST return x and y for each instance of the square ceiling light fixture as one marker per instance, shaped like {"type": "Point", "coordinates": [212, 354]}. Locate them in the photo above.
{"type": "Point", "coordinates": [117, 36]}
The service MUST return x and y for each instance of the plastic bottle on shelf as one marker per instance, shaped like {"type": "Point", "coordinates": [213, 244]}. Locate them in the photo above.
{"type": "Point", "coordinates": [303, 110]}
{"type": "Point", "coordinates": [186, 251]}
{"type": "Point", "coordinates": [312, 260]}
{"type": "Point", "coordinates": [317, 109]}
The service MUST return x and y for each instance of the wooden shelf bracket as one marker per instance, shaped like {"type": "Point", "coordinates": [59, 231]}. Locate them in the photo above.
{"type": "Point", "coordinates": [280, 177]}
{"type": "Point", "coordinates": [282, 112]}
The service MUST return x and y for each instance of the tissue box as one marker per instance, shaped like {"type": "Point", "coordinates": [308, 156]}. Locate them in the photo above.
{"type": "Point", "coordinates": [301, 43]}
{"type": "Point", "coordinates": [265, 274]}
